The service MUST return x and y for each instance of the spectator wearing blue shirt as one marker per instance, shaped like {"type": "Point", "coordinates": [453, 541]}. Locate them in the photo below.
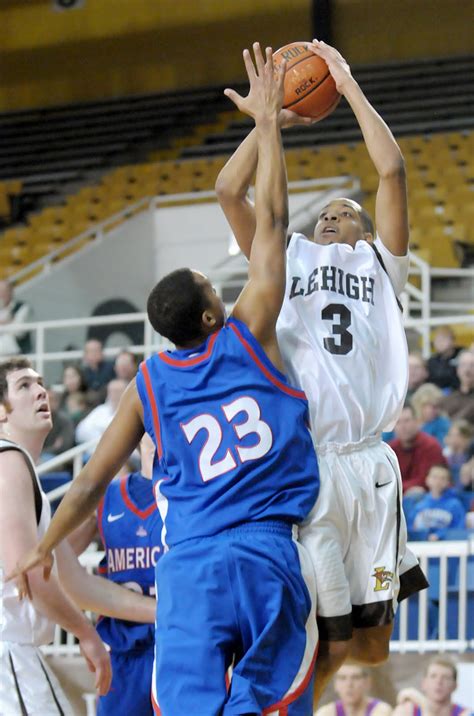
{"type": "Point", "coordinates": [440, 510]}
{"type": "Point", "coordinates": [425, 401]}
{"type": "Point", "coordinates": [459, 441]}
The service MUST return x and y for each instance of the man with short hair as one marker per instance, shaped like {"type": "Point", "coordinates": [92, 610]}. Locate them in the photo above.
{"type": "Point", "coordinates": [460, 403]}
{"type": "Point", "coordinates": [97, 370]}
{"type": "Point", "coordinates": [352, 684]}
{"type": "Point", "coordinates": [416, 451]}
{"type": "Point", "coordinates": [125, 366]}
{"type": "Point", "coordinates": [27, 684]}
{"type": "Point", "coordinates": [438, 685]}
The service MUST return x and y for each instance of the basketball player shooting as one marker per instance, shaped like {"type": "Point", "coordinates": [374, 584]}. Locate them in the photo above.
{"type": "Point", "coordinates": [341, 335]}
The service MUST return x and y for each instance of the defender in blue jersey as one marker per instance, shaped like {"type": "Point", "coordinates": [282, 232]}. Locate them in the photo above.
{"type": "Point", "coordinates": [130, 528]}
{"type": "Point", "coordinates": [235, 471]}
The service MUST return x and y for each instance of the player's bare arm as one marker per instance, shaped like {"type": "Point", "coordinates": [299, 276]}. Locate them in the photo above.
{"type": "Point", "coordinates": [234, 180]}
{"type": "Point", "coordinates": [17, 538]}
{"type": "Point", "coordinates": [391, 213]}
{"type": "Point", "coordinates": [260, 302]}
{"type": "Point", "coordinates": [117, 443]}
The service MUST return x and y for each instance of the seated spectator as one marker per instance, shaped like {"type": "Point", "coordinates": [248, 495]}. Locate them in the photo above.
{"type": "Point", "coordinates": [61, 436]}
{"type": "Point", "coordinates": [417, 373]}
{"type": "Point", "coordinates": [442, 364]}
{"type": "Point", "coordinates": [95, 424]}
{"type": "Point", "coordinates": [458, 448]}
{"type": "Point", "coordinates": [74, 400]}
{"type": "Point", "coordinates": [125, 366]}
{"type": "Point", "coordinates": [460, 403]}
{"type": "Point", "coordinates": [97, 371]}
{"type": "Point", "coordinates": [425, 402]}
{"type": "Point", "coordinates": [440, 510]}
{"type": "Point", "coordinates": [466, 474]}
{"type": "Point", "coordinates": [352, 684]}
{"type": "Point", "coordinates": [13, 313]}
{"type": "Point", "coordinates": [416, 451]}
{"type": "Point", "coordinates": [438, 686]}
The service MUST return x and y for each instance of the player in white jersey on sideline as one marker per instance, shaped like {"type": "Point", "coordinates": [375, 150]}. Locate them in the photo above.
{"type": "Point", "coordinates": [27, 686]}
{"type": "Point", "coordinates": [341, 336]}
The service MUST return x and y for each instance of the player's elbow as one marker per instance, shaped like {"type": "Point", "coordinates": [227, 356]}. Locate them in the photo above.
{"type": "Point", "coordinates": [394, 167]}
{"type": "Point", "coordinates": [227, 189]}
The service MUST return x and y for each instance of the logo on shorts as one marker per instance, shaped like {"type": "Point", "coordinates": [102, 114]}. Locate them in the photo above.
{"type": "Point", "coordinates": [383, 579]}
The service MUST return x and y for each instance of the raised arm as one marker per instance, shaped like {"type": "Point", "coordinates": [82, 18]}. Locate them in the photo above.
{"type": "Point", "coordinates": [260, 302]}
{"type": "Point", "coordinates": [391, 212]}
{"type": "Point", "coordinates": [117, 443]}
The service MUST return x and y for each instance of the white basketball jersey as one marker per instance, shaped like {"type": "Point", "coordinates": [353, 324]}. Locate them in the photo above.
{"type": "Point", "coordinates": [341, 336]}
{"type": "Point", "coordinates": [20, 622]}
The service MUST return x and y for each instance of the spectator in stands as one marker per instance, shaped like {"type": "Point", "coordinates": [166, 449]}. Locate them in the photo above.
{"type": "Point", "coordinates": [352, 684]}
{"type": "Point", "coordinates": [13, 313]}
{"type": "Point", "coordinates": [74, 399]}
{"type": "Point", "coordinates": [97, 371]}
{"type": "Point", "coordinates": [460, 403]}
{"type": "Point", "coordinates": [458, 448]}
{"type": "Point", "coordinates": [94, 424]}
{"type": "Point", "coordinates": [438, 686]}
{"type": "Point", "coordinates": [442, 364]}
{"type": "Point", "coordinates": [440, 510]}
{"type": "Point", "coordinates": [417, 373]}
{"type": "Point", "coordinates": [466, 474]}
{"type": "Point", "coordinates": [61, 436]}
{"type": "Point", "coordinates": [416, 451]}
{"type": "Point", "coordinates": [125, 366]}
{"type": "Point", "coordinates": [425, 402]}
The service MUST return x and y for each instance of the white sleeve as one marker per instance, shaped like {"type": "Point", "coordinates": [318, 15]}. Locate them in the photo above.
{"type": "Point", "coordinates": [397, 266]}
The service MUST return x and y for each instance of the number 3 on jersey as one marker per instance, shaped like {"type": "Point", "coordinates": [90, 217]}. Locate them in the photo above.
{"type": "Point", "coordinates": [341, 342]}
{"type": "Point", "coordinates": [251, 425]}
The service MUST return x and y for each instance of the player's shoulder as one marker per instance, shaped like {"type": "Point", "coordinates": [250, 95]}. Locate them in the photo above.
{"type": "Point", "coordinates": [13, 462]}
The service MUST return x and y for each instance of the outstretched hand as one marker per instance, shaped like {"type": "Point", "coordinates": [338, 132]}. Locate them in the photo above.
{"type": "Point", "coordinates": [35, 558]}
{"type": "Point", "coordinates": [265, 97]}
{"type": "Point", "coordinates": [338, 67]}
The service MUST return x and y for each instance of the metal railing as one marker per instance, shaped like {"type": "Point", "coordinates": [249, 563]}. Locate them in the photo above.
{"type": "Point", "coordinates": [413, 623]}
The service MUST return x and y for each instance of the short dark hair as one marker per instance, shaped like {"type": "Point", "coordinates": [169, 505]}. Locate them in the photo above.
{"type": "Point", "coordinates": [367, 223]}
{"type": "Point", "coordinates": [175, 307]}
{"type": "Point", "coordinates": [9, 366]}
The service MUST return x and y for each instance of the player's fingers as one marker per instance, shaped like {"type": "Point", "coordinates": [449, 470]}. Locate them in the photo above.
{"type": "Point", "coordinates": [103, 677]}
{"type": "Point", "coordinates": [281, 73]}
{"type": "Point", "coordinates": [249, 66]}
{"type": "Point", "coordinates": [259, 61]}
{"type": "Point", "coordinates": [24, 589]}
{"type": "Point", "coordinates": [269, 59]}
{"type": "Point", "coordinates": [234, 97]}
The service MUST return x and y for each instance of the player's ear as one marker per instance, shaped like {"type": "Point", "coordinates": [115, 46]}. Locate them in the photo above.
{"type": "Point", "coordinates": [208, 319]}
{"type": "Point", "coordinates": [368, 237]}
{"type": "Point", "coordinates": [3, 413]}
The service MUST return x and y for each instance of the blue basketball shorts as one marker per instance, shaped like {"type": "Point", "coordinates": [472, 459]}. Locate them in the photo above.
{"type": "Point", "coordinates": [242, 600]}
{"type": "Point", "coordinates": [130, 692]}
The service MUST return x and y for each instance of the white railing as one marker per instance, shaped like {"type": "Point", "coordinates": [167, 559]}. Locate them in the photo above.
{"type": "Point", "coordinates": [65, 643]}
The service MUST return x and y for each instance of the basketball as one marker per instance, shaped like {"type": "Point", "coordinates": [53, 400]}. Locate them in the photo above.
{"type": "Point", "coordinates": [310, 90]}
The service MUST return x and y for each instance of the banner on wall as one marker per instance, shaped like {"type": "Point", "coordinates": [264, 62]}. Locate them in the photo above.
{"type": "Point", "coordinates": [61, 5]}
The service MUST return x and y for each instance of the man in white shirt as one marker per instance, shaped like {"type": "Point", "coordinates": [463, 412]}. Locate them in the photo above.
{"type": "Point", "coordinates": [96, 422]}
{"type": "Point", "coordinates": [342, 340]}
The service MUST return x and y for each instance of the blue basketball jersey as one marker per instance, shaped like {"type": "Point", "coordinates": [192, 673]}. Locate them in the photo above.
{"type": "Point", "coordinates": [232, 437]}
{"type": "Point", "coordinates": [131, 534]}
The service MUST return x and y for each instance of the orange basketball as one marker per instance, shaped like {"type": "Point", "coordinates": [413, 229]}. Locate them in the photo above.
{"type": "Point", "coordinates": [310, 90]}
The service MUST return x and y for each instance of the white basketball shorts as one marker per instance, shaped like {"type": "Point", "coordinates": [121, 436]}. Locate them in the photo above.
{"type": "Point", "coordinates": [27, 685]}
{"type": "Point", "coordinates": [356, 536]}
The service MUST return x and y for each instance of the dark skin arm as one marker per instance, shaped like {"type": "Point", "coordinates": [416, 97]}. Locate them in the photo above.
{"type": "Point", "coordinates": [259, 304]}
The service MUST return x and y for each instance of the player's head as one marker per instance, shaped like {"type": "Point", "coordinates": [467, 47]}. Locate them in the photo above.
{"type": "Point", "coordinates": [440, 680]}
{"type": "Point", "coordinates": [343, 221]}
{"type": "Point", "coordinates": [352, 684]}
{"type": "Point", "coordinates": [184, 308]}
{"type": "Point", "coordinates": [24, 404]}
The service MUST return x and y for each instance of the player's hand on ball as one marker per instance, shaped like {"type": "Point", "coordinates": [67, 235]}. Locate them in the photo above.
{"type": "Point", "coordinates": [338, 67]}
{"type": "Point", "coordinates": [265, 97]}
{"type": "Point", "coordinates": [291, 119]}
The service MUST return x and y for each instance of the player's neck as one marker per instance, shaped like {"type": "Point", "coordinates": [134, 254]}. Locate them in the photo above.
{"type": "Point", "coordinates": [434, 708]}
{"type": "Point", "coordinates": [356, 709]}
{"type": "Point", "coordinates": [32, 442]}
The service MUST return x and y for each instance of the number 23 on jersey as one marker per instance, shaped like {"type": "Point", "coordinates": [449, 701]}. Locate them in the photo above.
{"type": "Point", "coordinates": [251, 424]}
